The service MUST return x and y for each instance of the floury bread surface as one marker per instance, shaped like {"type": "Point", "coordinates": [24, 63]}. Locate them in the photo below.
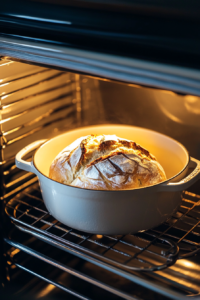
{"type": "Point", "coordinates": [106, 162]}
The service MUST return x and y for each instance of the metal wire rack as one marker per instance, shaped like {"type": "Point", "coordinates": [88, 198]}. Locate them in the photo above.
{"type": "Point", "coordinates": [145, 251]}
{"type": "Point", "coordinates": [184, 226]}
{"type": "Point", "coordinates": [47, 262]}
{"type": "Point", "coordinates": [39, 263]}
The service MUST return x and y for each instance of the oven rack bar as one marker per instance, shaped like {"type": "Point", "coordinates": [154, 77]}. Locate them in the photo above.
{"type": "Point", "coordinates": [140, 281]}
{"type": "Point", "coordinates": [28, 205]}
{"type": "Point", "coordinates": [60, 286]}
{"type": "Point", "coordinates": [67, 269]}
{"type": "Point", "coordinates": [185, 222]}
{"type": "Point", "coordinates": [148, 252]}
{"type": "Point", "coordinates": [130, 276]}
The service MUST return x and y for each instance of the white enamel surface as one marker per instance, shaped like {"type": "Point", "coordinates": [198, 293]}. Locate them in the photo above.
{"type": "Point", "coordinates": [101, 212]}
{"type": "Point", "coordinates": [113, 212]}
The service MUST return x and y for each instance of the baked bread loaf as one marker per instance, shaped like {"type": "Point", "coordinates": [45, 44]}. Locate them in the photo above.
{"type": "Point", "coordinates": [106, 162]}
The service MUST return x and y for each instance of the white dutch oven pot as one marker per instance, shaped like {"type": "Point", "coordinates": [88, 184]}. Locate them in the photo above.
{"type": "Point", "coordinates": [113, 212]}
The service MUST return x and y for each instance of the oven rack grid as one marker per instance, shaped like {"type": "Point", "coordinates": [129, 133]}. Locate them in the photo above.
{"type": "Point", "coordinates": [137, 282]}
{"type": "Point", "coordinates": [17, 247]}
{"type": "Point", "coordinates": [151, 250]}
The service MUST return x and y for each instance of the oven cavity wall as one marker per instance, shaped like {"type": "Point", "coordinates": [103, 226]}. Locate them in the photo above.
{"type": "Point", "coordinates": [36, 103]}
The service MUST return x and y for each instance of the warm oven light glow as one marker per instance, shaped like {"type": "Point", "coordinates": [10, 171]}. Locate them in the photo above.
{"type": "Point", "coordinates": [99, 236]}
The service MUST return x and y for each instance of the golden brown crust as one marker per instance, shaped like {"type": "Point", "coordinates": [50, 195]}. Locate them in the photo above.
{"type": "Point", "coordinates": [105, 145]}
{"type": "Point", "coordinates": [106, 162]}
{"type": "Point", "coordinates": [133, 145]}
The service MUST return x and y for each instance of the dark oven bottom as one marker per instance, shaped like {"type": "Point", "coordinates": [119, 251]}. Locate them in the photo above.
{"type": "Point", "coordinates": [46, 259]}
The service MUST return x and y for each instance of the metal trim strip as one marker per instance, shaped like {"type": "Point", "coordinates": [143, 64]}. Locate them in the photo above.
{"type": "Point", "coordinates": [178, 79]}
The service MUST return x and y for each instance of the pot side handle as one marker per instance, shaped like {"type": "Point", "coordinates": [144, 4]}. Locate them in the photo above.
{"type": "Point", "coordinates": [185, 182]}
{"type": "Point", "coordinates": [25, 165]}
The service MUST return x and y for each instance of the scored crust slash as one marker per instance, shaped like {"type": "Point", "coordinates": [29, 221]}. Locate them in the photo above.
{"type": "Point", "coordinates": [106, 162]}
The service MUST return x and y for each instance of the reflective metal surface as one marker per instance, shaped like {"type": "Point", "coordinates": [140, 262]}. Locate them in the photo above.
{"type": "Point", "coordinates": [112, 252]}
{"type": "Point", "coordinates": [165, 31]}
{"type": "Point", "coordinates": [34, 102]}
{"type": "Point", "coordinates": [143, 252]}
{"type": "Point", "coordinates": [124, 69]}
{"type": "Point", "coordinates": [37, 101]}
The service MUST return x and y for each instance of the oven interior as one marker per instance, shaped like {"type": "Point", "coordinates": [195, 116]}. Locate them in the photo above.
{"type": "Point", "coordinates": [44, 259]}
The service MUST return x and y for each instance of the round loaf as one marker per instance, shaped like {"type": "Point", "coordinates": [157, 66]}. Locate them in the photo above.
{"type": "Point", "coordinates": [106, 162]}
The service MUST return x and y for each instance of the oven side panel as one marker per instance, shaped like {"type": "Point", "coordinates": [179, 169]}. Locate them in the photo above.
{"type": "Point", "coordinates": [36, 103]}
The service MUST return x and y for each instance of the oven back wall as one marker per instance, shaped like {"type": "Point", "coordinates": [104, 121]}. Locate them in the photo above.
{"type": "Point", "coordinates": [177, 116]}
